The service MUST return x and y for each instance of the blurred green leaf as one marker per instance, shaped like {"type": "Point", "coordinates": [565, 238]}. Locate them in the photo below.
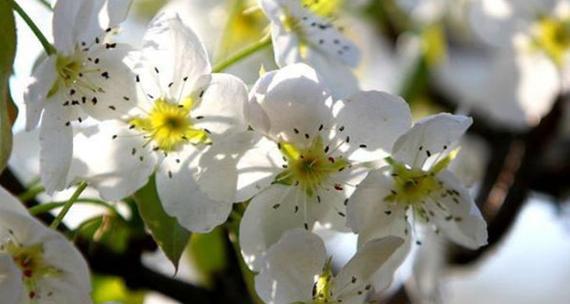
{"type": "Point", "coordinates": [208, 253]}
{"type": "Point", "coordinates": [168, 234]}
{"type": "Point", "coordinates": [112, 289]}
{"type": "Point", "coordinates": [7, 53]}
{"type": "Point", "coordinates": [109, 230]}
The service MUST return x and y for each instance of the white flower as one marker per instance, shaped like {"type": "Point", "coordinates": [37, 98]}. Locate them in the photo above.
{"type": "Point", "coordinates": [314, 152]}
{"type": "Point", "coordinates": [298, 270]}
{"type": "Point", "coordinates": [37, 265]}
{"type": "Point", "coordinates": [187, 125]}
{"type": "Point", "coordinates": [302, 33]}
{"type": "Point", "coordinates": [524, 64]}
{"type": "Point", "coordinates": [417, 189]}
{"type": "Point", "coordinates": [84, 78]}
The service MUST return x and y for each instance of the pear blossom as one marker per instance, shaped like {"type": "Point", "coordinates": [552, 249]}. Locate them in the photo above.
{"type": "Point", "coordinates": [303, 31]}
{"type": "Point", "coordinates": [187, 126]}
{"type": "Point", "coordinates": [314, 152]}
{"type": "Point", "coordinates": [298, 270]}
{"type": "Point", "coordinates": [522, 63]}
{"type": "Point", "coordinates": [37, 264]}
{"type": "Point", "coordinates": [84, 78]}
{"type": "Point", "coordinates": [417, 189]}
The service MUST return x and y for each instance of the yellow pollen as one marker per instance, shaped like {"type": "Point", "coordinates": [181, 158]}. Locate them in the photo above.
{"type": "Point", "coordinates": [169, 126]}
{"type": "Point", "coordinates": [309, 167]}
{"type": "Point", "coordinates": [413, 185]}
{"type": "Point", "coordinates": [554, 38]}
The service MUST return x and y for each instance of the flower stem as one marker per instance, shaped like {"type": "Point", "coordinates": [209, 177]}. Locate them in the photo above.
{"type": "Point", "coordinates": [47, 207]}
{"type": "Point", "coordinates": [46, 4]}
{"type": "Point", "coordinates": [68, 205]}
{"type": "Point", "coordinates": [31, 193]}
{"type": "Point", "coordinates": [244, 53]}
{"type": "Point", "coordinates": [50, 50]}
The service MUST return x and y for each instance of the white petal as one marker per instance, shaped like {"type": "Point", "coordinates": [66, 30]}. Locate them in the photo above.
{"type": "Point", "coordinates": [221, 105]}
{"type": "Point", "coordinates": [290, 267]}
{"type": "Point", "coordinates": [96, 17]}
{"type": "Point", "coordinates": [65, 14]}
{"type": "Point", "coordinates": [320, 37]}
{"type": "Point", "coordinates": [11, 203]}
{"type": "Point", "coordinates": [268, 215]}
{"type": "Point", "coordinates": [374, 119]}
{"type": "Point", "coordinates": [430, 136]}
{"type": "Point", "coordinates": [253, 112]}
{"type": "Point", "coordinates": [177, 53]}
{"type": "Point", "coordinates": [182, 198]}
{"type": "Point", "coordinates": [118, 84]}
{"type": "Point", "coordinates": [74, 282]}
{"type": "Point", "coordinates": [257, 168]}
{"type": "Point", "coordinates": [296, 102]}
{"type": "Point", "coordinates": [329, 209]}
{"type": "Point", "coordinates": [358, 273]}
{"type": "Point", "coordinates": [11, 287]}
{"type": "Point", "coordinates": [36, 94]}
{"type": "Point", "coordinates": [119, 169]}
{"type": "Point", "coordinates": [56, 140]}
{"type": "Point", "coordinates": [367, 208]}
{"type": "Point", "coordinates": [338, 77]}
{"type": "Point", "coordinates": [218, 172]}
{"type": "Point", "coordinates": [467, 226]}
{"type": "Point", "coordinates": [117, 11]}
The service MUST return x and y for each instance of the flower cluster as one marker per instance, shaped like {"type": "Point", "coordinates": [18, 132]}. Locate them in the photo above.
{"type": "Point", "coordinates": [304, 149]}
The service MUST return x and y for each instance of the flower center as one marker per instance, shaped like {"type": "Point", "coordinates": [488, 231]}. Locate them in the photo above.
{"type": "Point", "coordinates": [169, 125]}
{"type": "Point", "coordinates": [31, 262]}
{"type": "Point", "coordinates": [413, 185]}
{"type": "Point", "coordinates": [309, 167]}
{"type": "Point", "coordinates": [554, 37]}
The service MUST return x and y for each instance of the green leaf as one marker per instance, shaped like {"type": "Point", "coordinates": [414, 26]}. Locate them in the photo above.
{"type": "Point", "coordinates": [108, 289]}
{"type": "Point", "coordinates": [168, 234]}
{"type": "Point", "coordinates": [208, 253]}
{"type": "Point", "coordinates": [7, 54]}
{"type": "Point", "coordinates": [109, 230]}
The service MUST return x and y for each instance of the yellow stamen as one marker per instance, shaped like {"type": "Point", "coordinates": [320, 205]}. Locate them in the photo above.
{"type": "Point", "coordinates": [169, 126]}
{"type": "Point", "coordinates": [554, 38]}
{"type": "Point", "coordinates": [309, 167]}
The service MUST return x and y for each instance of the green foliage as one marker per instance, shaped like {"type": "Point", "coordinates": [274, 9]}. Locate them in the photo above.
{"type": "Point", "coordinates": [112, 289]}
{"type": "Point", "coordinates": [208, 253]}
{"type": "Point", "coordinates": [7, 54]}
{"type": "Point", "coordinates": [108, 230]}
{"type": "Point", "coordinates": [168, 234]}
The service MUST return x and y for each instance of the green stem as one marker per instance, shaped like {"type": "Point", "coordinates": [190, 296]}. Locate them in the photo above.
{"type": "Point", "coordinates": [47, 207]}
{"type": "Point", "coordinates": [68, 205]}
{"type": "Point", "coordinates": [31, 193]}
{"type": "Point", "coordinates": [50, 50]}
{"type": "Point", "coordinates": [46, 4]}
{"type": "Point", "coordinates": [244, 53]}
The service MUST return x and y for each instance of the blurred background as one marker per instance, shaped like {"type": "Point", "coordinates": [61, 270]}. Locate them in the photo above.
{"type": "Point", "coordinates": [503, 62]}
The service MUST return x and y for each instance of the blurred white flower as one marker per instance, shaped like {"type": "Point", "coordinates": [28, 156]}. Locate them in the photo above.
{"type": "Point", "coordinates": [85, 77]}
{"type": "Point", "coordinates": [37, 264]}
{"type": "Point", "coordinates": [315, 150]}
{"type": "Point", "coordinates": [302, 32]}
{"type": "Point", "coordinates": [187, 125]}
{"type": "Point", "coordinates": [297, 269]}
{"type": "Point", "coordinates": [417, 189]}
{"type": "Point", "coordinates": [522, 64]}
